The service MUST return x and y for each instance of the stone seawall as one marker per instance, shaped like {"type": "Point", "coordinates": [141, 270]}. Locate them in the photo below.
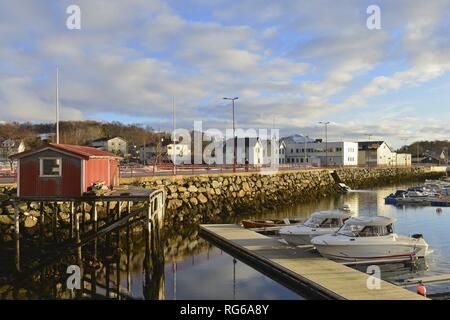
{"type": "Point", "coordinates": [366, 177]}
{"type": "Point", "coordinates": [191, 199]}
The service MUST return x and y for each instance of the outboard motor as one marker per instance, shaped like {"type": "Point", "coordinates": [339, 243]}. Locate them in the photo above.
{"type": "Point", "coordinates": [417, 236]}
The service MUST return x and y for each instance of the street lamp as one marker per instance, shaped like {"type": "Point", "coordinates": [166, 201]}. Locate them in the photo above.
{"type": "Point", "coordinates": [326, 123]}
{"type": "Point", "coordinates": [369, 135]}
{"type": "Point", "coordinates": [234, 137]}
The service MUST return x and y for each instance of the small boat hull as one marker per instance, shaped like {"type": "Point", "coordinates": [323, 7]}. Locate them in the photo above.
{"type": "Point", "coordinates": [253, 224]}
{"type": "Point", "coordinates": [389, 248]}
{"type": "Point", "coordinates": [301, 235]}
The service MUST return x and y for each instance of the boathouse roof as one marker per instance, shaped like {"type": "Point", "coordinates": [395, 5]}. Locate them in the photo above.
{"type": "Point", "coordinates": [79, 151]}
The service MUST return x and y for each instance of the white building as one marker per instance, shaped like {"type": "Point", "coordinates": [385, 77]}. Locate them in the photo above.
{"type": "Point", "coordinates": [9, 147]}
{"type": "Point", "coordinates": [379, 153]}
{"type": "Point", "coordinates": [115, 145]}
{"type": "Point", "coordinates": [304, 150]}
{"type": "Point", "coordinates": [278, 149]}
{"type": "Point", "coordinates": [248, 151]}
{"type": "Point", "coordinates": [282, 152]}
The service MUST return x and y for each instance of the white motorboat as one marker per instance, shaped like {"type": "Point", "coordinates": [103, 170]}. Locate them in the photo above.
{"type": "Point", "coordinates": [370, 239]}
{"type": "Point", "coordinates": [416, 197]}
{"type": "Point", "coordinates": [320, 223]}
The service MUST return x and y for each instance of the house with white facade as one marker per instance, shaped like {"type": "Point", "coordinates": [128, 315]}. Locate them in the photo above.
{"type": "Point", "coordinates": [273, 151]}
{"type": "Point", "coordinates": [304, 150]}
{"type": "Point", "coordinates": [248, 151]}
{"type": "Point", "coordinates": [380, 153]}
{"type": "Point", "coordinates": [115, 145]}
{"type": "Point", "coordinates": [9, 147]}
{"type": "Point", "coordinates": [282, 152]}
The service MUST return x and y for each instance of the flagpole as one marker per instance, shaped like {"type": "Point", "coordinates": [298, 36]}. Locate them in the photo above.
{"type": "Point", "coordinates": [173, 136]}
{"type": "Point", "coordinates": [57, 105]}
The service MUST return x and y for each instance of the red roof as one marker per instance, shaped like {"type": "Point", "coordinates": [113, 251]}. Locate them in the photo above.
{"type": "Point", "coordinates": [81, 151]}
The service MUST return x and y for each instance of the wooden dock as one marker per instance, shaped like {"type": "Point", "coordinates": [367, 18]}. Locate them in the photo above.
{"type": "Point", "coordinates": [301, 269]}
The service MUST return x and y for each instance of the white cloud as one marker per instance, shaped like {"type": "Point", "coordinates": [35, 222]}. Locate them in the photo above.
{"type": "Point", "coordinates": [298, 61]}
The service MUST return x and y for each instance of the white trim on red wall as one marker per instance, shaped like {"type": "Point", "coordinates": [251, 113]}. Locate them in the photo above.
{"type": "Point", "coordinates": [18, 178]}
{"type": "Point", "coordinates": [109, 172]}
{"type": "Point", "coordinates": [83, 162]}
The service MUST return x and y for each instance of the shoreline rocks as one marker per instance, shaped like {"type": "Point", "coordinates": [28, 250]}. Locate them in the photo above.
{"type": "Point", "coordinates": [202, 198]}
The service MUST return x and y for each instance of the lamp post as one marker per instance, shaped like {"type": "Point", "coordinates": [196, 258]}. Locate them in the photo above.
{"type": "Point", "coordinates": [57, 105]}
{"type": "Point", "coordinates": [326, 123]}
{"type": "Point", "coordinates": [234, 137]}
{"type": "Point", "coordinates": [369, 135]}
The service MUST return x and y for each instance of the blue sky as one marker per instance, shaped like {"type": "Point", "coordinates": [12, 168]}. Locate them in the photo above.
{"type": "Point", "coordinates": [295, 62]}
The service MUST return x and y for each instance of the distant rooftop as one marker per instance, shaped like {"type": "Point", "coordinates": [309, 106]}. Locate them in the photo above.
{"type": "Point", "coordinates": [107, 138]}
{"type": "Point", "coordinates": [298, 138]}
{"type": "Point", "coordinates": [372, 145]}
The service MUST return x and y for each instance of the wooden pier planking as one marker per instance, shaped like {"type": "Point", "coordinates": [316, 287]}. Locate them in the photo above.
{"type": "Point", "coordinates": [301, 266]}
{"type": "Point", "coordinates": [429, 279]}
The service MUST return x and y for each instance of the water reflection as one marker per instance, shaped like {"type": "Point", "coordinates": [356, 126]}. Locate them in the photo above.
{"type": "Point", "coordinates": [178, 264]}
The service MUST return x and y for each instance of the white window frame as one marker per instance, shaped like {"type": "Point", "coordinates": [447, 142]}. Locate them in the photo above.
{"type": "Point", "coordinates": [41, 167]}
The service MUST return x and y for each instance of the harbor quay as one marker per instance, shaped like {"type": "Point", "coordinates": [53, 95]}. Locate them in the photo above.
{"type": "Point", "coordinates": [196, 198]}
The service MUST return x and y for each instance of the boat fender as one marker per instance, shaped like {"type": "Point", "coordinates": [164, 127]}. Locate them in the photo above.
{"type": "Point", "coordinates": [421, 289]}
{"type": "Point", "coordinates": [417, 236]}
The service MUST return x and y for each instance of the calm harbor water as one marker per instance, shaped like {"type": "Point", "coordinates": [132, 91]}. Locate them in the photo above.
{"type": "Point", "coordinates": [184, 266]}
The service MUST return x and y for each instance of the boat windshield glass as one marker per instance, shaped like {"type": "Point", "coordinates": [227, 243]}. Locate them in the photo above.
{"type": "Point", "coordinates": [330, 223]}
{"type": "Point", "coordinates": [314, 222]}
{"type": "Point", "coordinates": [352, 230]}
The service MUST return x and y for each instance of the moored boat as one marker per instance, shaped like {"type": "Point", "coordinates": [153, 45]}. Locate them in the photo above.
{"type": "Point", "coordinates": [254, 224]}
{"type": "Point", "coordinates": [370, 239]}
{"type": "Point", "coordinates": [319, 223]}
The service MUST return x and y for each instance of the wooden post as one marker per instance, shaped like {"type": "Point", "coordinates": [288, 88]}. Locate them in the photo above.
{"type": "Point", "coordinates": [106, 204]}
{"type": "Point", "coordinates": [119, 210]}
{"type": "Point", "coordinates": [42, 222]}
{"type": "Point", "coordinates": [17, 235]}
{"type": "Point", "coordinates": [83, 211]}
{"type": "Point", "coordinates": [108, 264]}
{"type": "Point", "coordinates": [55, 221]}
{"type": "Point", "coordinates": [77, 226]}
{"type": "Point", "coordinates": [80, 264]}
{"type": "Point", "coordinates": [79, 253]}
{"type": "Point", "coordinates": [107, 277]}
{"type": "Point", "coordinates": [148, 220]}
{"type": "Point", "coordinates": [128, 259]}
{"type": "Point", "coordinates": [72, 212]}
{"type": "Point", "coordinates": [94, 218]}
{"type": "Point", "coordinates": [118, 264]}
{"type": "Point", "coordinates": [93, 282]}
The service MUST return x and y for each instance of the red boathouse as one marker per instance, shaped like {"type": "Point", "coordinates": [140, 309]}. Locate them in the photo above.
{"type": "Point", "coordinates": [63, 170]}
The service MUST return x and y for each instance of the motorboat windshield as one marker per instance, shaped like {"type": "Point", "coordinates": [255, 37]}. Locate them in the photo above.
{"type": "Point", "coordinates": [313, 222]}
{"type": "Point", "coordinates": [326, 220]}
{"type": "Point", "coordinates": [367, 228]}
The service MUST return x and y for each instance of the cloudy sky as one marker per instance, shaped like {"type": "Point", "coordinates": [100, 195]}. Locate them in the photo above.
{"type": "Point", "coordinates": [290, 62]}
